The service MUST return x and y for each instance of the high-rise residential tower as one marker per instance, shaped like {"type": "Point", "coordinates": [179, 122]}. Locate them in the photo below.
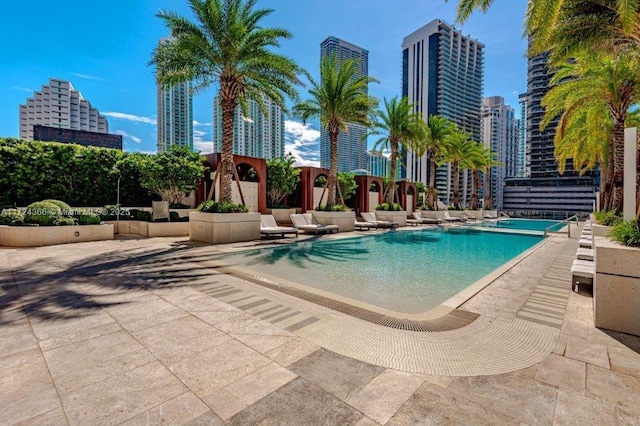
{"type": "Point", "coordinates": [352, 144]}
{"type": "Point", "coordinates": [255, 135]}
{"type": "Point", "coordinates": [443, 74]}
{"type": "Point", "coordinates": [522, 142]}
{"type": "Point", "coordinates": [500, 133]}
{"type": "Point", "coordinates": [58, 105]}
{"type": "Point", "coordinates": [175, 116]}
{"type": "Point", "coordinates": [544, 191]}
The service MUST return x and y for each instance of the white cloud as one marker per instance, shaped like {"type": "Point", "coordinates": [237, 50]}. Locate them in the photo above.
{"type": "Point", "coordinates": [197, 123]}
{"type": "Point", "coordinates": [205, 147]}
{"type": "Point", "coordinates": [88, 77]}
{"type": "Point", "coordinates": [130, 117]}
{"type": "Point", "coordinates": [302, 142]}
{"type": "Point", "coordinates": [201, 144]}
{"type": "Point", "coordinates": [127, 135]}
{"type": "Point", "coordinates": [22, 89]}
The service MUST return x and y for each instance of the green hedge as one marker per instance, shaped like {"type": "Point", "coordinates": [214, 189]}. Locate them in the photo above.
{"type": "Point", "coordinates": [82, 176]}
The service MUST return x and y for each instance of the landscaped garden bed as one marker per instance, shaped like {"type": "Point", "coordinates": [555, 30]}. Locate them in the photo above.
{"type": "Point", "coordinates": [50, 222]}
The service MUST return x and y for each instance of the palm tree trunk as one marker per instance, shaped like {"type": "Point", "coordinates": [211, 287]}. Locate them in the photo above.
{"type": "Point", "coordinates": [432, 180]}
{"type": "Point", "coordinates": [392, 178]}
{"type": "Point", "coordinates": [474, 195]}
{"type": "Point", "coordinates": [333, 166]}
{"type": "Point", "coordinates": [456, 184]}
{"type": "Point", "coordinates": [618, 164]}
{"type": "Point", "coordinates": [487, 189]}
{"type": "Point", "coordinates": [226, 161]}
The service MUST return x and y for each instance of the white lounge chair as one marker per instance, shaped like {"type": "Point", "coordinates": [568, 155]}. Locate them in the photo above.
{"type": "Point", "coordinates": [364, 226]}
{"type": "Point", "coordinates": [425, 220]}
{"type": "Point", "coordinates": [450, 218]}
{"type": "Point", "coordinates": [305, 225]}
{"type": "Point", "coordinates": [371, 217]}
{"type": "Point", "coordinates": [585, 243]}
{"type": "Point", "coordinates": [269, 227]}
{"type": "Point", "coordinates": [584, 254]}
{"type": "Point", "coordinates": [582, 273]}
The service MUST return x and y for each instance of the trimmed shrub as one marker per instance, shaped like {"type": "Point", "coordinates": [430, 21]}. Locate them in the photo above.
{"type": "Point", "coordinates": [627, 233]}
{"type": "Point", "coordinates": [11, 217]}
{"type": "Point", "coordinates": [222, 207]}
{"type": "Point", "coordinates": [178, 206]}
{"type": "Point", "coordinates": [42, 213]}
{"type": "Point", "coordinates": [64, 207]}
{"type": "Point", "coordinates": [607, 217]}
{"type": "Point", "coordinates": [385, 206]}
{"type": "Point", "coordinates": [64, 221]}
{"type": "Point", "coordinates": [336, 208]}
{"type": "Point", "coordinates": [89, 219]}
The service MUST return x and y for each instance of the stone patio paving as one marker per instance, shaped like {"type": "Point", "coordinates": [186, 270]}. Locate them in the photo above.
{"type": "Point", "coordinates": [145, 332]}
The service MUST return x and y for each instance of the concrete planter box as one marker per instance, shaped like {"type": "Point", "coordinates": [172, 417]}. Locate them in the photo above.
{"type": "Point", "coordinates": [282, 215]}
{"type": "Point", "coordinates": [222, 228]}
{"type": "Point", "coordinates": [616, 289]}
{"type": "Point", "coordinates": [183, 212]}
{"type": "Point", "coordinates": [432, 214]}
{"type": "Point", "coordinates": [37, 236]}
{"type": "Point", "coordinates": [600, 230]}
{"type": "Point", "coordinates": [151, 229]}
{"type": "Point", "coordinates": [344, 220]}
{"type": "Point", "coordinates": [400, 217]}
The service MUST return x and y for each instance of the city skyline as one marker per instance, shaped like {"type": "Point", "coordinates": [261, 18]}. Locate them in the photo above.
{"type": "Point", "coordinates": [117, 80]}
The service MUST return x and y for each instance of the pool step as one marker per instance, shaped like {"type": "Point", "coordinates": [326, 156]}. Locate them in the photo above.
{"type": "Point", "coordinates": [548, 301]}
{"type": "Point", "coordinates": [268, 310]}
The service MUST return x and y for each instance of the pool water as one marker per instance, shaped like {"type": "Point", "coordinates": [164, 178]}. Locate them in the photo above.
{"type": "Point", "coordinates": [409, 271]}
{"type": "Point", "coordinates": [526, 224]}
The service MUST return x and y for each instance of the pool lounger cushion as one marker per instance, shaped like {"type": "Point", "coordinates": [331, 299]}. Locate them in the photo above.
{"type": "Point", "coordinates": [364, 226]}
{"type": "Point", "coordinates": [585, 243]}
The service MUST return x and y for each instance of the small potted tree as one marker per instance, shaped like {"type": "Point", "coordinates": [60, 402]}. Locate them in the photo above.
{"type": "Point", "coordinates": [170, 175]}
{"type": "Point", "coordinates": [282, 179]}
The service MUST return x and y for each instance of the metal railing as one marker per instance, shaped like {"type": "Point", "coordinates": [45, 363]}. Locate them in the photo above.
{"type": "Point", "coordinates": [568, 221]}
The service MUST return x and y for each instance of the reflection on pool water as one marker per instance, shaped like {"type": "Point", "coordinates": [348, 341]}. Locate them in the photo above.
{"type": "Point", "coordinates": [407, 271]}
{"type": "Point", "coordinates": [526, 224]}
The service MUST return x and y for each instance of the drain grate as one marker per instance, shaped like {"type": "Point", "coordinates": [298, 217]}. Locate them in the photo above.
{"type": "Point", "coordinates": [452, 321]}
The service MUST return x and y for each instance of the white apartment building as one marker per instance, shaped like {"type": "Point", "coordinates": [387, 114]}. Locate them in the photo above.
{"type": "Point", "coordinates": [175, 116]}
{"type": "Point", "coordinates": [500, 133]}
{"type": "Point", "coordinates": [255, 134]}
{"type": "Point", "coordinates": [59, 105]}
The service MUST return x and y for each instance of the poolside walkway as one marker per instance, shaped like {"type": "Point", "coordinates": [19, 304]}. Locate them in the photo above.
{"type": "Point", "coordinates": [147, 331]}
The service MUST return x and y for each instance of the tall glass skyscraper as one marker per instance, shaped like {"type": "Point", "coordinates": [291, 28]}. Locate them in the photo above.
{"type": "Point", "coordinates": [352, 144]}
{"type": "Point", "coordinates": [175, 116]}
{"type": "Point", "coordinates": [443, 74]}
{"type": "Point", "coordinates": [255, 135]}
{"type": "Point", "coordinates": [544, 191]}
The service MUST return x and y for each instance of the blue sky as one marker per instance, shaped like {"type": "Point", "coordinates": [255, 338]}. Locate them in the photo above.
{"type": "Point", "coordinates": [103, 49]}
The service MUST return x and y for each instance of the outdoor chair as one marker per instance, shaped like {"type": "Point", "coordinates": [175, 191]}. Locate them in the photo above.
{"type": "Point", "coordinates": [371, 217]}
{"type": "Point", "coordinates": [306, 226]}
{"type": "Point", "coordinates": [450, 218]}
{"type": "Point", "coordinates": [269, 227]}
{"type": "Point", "coordinates": [425, 220]}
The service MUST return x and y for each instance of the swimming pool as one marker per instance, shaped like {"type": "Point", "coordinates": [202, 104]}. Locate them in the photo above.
{"type": "Point", "coordinates": [406, 271]}
{"type": "Point", "coordinates": [526, 224]}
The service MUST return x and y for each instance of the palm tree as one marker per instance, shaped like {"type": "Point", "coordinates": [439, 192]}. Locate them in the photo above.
{"type": "Point", "coordinates": [340, 97]}
{"type": "Point", "coordinates": [229, 46]}
{"type": "Point", "coordinates": [573, 24]}
{"type": "Point", "coordinates": [603, 83]}
{"type": "Point", "coordinates": [437, 130]}
{"type": "Point", "coordinates": [475, 162]}
{"type": "Point", "coordinates": [456, 150]}
{"type": "Point", "coordinates": [401, 126]}
{"type": "Point", "coordinates": [489, 161]}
